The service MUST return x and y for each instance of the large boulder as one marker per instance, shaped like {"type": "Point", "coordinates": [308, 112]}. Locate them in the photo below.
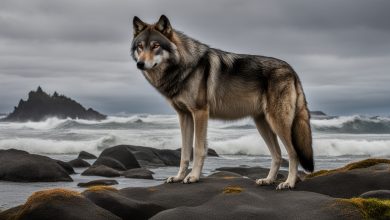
{"type": "Point", "coordinates": [20, 166]}
{"type": "Point", "coordinates": [118, 157]}
{"type": "Point", "coordinates": [87, 156]}
{"type": "Point", "coordinates": [351, 180]}
{"type": "Point", "coordinates": [79, 163]}
{"type": "Point", "coordinates": [120, 205]}
{"type": "Point", "coordinates": [211, 197]}
{"type": "Point", "coordinates": [148, 156]}
{"type": "Point", "coordinates": [59, 204]}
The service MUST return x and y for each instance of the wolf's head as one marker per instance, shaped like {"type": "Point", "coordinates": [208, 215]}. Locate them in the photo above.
{"type": "Point", "coordinates": [152, 43]}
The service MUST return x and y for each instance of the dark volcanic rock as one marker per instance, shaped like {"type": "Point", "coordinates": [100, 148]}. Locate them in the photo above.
{"type": "Point", "coordinates": [378, 194]}
{"type": "Point", "coordinates": [238, 198]}
{"type": "Point", "coordinates": [350, 183]}
{"type": "Point", "coordinates": [20, 166]}
{"type": "Point", "coordinates": [138, 173]}
{"type": "Point", "coordinates": [119, 157]}
{"type": "Point", "coordinates": [79, 163]}
{"type": "Point", "coordinates": [105, 182]}
{"type": "Point", "coordinates": [66, 166]}
{"type": "Point", "coordinates": [41, 105]}
{"type": "Point", "coordinates": [212, 153]}
{"type": "Point", "coordinates": [148, 156]}
{"type": "Point", "coordinates": [122, 206]}
{"type": "Point", "coordinates": [101, 170]}
{"type": "Point", "coordinates": [59, 204]}
{"type": "Point", "coordinates": [87, 156]}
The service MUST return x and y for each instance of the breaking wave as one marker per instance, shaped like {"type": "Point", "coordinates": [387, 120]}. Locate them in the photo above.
{"type": "Point", "coordinates": [353, 124]}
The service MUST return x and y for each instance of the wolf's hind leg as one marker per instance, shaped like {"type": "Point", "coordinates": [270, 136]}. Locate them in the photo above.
{"type": "Point", "coordinates": [271, 141]}
{"type": "Point", "coordinates": [187, 134]}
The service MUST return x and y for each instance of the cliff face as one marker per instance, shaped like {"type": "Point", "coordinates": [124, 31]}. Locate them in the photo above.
{"type": "Point", "coordinates": [41, 105]}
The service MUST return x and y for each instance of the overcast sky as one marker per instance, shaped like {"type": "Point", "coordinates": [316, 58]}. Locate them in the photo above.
{"type": "Point", "coordinates": [340, 49]}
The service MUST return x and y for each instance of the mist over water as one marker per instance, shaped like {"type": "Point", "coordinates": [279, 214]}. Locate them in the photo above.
{"type": "Point", "coordinates": [333, 136]}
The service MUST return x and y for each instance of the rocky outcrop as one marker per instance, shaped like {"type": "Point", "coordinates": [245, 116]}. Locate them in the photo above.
{"type": "Point", "coordinates": [79, 163]}
{"type": "Point", "coordinates": [87, 156]}
{"type": "Point", "coordinates": [41, 105]}
{"type": "Point", "coordinates": [59, 204]}
{"type": "Point", "coordinates": [20, 166]}
{"type": "Point", "coordinates": [228, 194]}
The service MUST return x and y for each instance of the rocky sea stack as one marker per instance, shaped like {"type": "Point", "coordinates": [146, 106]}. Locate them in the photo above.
{"type": "Point", "coordinates": [41, 105]}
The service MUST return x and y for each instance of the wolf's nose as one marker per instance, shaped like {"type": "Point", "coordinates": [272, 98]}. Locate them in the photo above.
{"type": "Point", "coordinates": [140, 65]}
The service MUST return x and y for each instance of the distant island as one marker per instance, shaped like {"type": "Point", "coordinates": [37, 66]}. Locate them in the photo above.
{"type": "Point", "coordinates": [317, 113]}
{"type": "Point", "coordinates": [41, 105]}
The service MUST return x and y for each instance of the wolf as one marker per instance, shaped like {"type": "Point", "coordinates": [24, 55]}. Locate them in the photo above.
{"type": "Point", "coordinates": [201, 82]}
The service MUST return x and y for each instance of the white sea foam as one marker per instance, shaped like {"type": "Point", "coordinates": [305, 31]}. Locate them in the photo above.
{"type": "Point", "coordinates": [43, 146]}
{"type": "Point", "coordinates": [254, 145]}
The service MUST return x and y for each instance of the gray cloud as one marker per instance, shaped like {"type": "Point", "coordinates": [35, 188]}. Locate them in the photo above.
{"type": "Point", "coordinates": [341, 49]}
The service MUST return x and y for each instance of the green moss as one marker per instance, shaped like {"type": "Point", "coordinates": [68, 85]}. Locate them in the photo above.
{"type": "Point", "coordinates": [356, 165]}
{"type": "Point", "coordinates": [232, 189]}
{"type": "Point", "coordinates": [371, 208]}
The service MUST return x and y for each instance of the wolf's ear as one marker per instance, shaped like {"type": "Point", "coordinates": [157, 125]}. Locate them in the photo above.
{"type": "Point", "coordinates": [164, 26]}
{"type": "Point", "coordinates": [138, 25]}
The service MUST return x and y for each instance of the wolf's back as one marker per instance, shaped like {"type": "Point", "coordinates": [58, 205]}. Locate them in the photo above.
{"type": "Point", "coordinates": [301, 131]}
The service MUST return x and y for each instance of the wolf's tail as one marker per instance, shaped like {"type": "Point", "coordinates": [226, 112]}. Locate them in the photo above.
{"type": "Point", "coordinates": [301, 132]}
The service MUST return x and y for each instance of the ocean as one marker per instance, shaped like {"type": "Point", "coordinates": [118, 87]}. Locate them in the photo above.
{"type": "Point", "coordinates": [336, 142]}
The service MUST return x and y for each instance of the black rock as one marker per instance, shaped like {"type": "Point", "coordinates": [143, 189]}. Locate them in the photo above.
{"type": "Point", "coordinates": [237, 198]}
{"type": "Point", "coordinates": [103, 182]}
{"type": "Point", "coordinates": [101, 170]}
{"type": "Point", "coordinates": [212, 153]}
{"type": "Point", "coordinates": [87, 156]}
{"type": "Point", "coordinates": [122, 206]}
{"type": "Point", "coordinates": [59, 204]}
{"type": "Point", "coordinates": [138, 173]}
{"type": "Point", "coordinates": [20, 166]}
{"type": "Point", "coordinates": [378, 194]}
{"type": "Point", "coordinates": [148, 156]}
{"type": "Point", "coordinates": [41, 105]}
{"type": "Point", "coordinates": [118, 157]}
{"type": "Point", "coordinates": [79, 163]}
{"type": "Point", "coordinates": [350, 183]}
{"type": "Point", "coordinates": [66, 166]}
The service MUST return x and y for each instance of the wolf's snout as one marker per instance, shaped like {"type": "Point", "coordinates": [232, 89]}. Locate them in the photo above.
{"type": "Point", "coordinates": [141, 65]}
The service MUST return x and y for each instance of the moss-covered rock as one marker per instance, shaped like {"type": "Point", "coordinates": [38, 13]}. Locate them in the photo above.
{"type": "Point", "coordinates": [371, 208]}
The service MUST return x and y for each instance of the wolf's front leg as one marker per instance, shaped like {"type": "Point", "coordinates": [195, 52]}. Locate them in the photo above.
{"type": "Point", "coordinates": [187, 136]}
{"type": "Point", "coordinates": [200, 121]}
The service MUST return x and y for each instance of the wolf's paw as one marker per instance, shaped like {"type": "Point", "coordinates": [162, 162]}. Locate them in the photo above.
{"type": "Point", "coordinates": [190, 179]}
{"type": "Point", "coordinates": [285, 185]}
{"type": "Point", "coordinates": [264, 182]}
{"type": "Point", "coordinates": [174, 179]}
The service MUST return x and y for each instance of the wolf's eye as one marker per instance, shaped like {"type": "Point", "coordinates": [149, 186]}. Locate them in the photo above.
{"type": "Point", "coordinates": [140, 47]}
{"type": "Point", "coordinates": [155, 46]}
